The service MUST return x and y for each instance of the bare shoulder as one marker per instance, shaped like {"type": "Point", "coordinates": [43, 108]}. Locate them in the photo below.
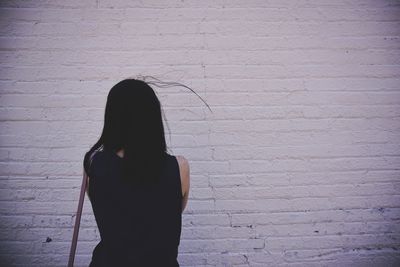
{"type": "Point", "coordinates": [183, 166]}
{"type": "Point", "coordinates": [182, 160]}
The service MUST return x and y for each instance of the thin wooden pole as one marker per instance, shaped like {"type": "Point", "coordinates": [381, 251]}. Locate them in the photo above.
{"type": "Point", "coordinates": [77, 220]}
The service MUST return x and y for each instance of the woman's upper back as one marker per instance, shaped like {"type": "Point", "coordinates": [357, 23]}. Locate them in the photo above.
{"type": "Point", "coordinates": [135, 222]}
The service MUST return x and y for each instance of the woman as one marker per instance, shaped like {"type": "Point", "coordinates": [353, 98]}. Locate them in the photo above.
{"type": "Point", "coordinates": [137, 190]}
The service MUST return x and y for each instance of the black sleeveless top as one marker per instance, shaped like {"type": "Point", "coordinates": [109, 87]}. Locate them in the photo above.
{"type": "Point", "coordinates": [139, 226]}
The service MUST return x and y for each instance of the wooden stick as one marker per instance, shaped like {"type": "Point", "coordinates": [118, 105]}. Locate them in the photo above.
{"type": "Point", "coordinates": [77, 220]}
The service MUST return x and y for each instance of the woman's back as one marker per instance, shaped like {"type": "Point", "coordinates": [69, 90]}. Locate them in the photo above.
{"type": "Point", "coordinates": [138, 225]}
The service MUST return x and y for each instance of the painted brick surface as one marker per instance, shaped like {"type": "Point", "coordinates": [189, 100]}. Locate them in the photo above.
{"type": "Point", "coordinates": [298, 165]}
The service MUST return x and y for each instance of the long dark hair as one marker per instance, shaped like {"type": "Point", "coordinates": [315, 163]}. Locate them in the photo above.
{"type": "Point", "coordinates": [133, 121]}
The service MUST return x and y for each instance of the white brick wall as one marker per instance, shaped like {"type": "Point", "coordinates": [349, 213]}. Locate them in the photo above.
{"type": "Point", "coordinates": [297, 166]}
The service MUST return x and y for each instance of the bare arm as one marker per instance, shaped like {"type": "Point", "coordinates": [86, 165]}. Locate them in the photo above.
{"type": "Point", "coordinates": [87, 186]}
{"type": "Point", "coordinates": [184, 170]}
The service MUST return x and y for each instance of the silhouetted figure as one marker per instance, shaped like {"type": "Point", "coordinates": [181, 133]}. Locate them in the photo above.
{"type": "Point", "coordinates": [137, 190]}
